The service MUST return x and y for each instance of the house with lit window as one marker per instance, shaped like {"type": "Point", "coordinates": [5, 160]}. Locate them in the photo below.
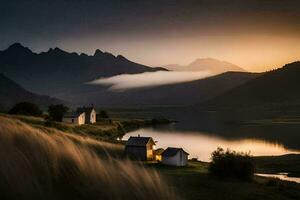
{"type": "Point", "coordinates": [140, 148]}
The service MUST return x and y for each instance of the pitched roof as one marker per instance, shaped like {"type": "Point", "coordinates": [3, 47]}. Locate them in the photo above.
{"type": "Point", "coordinates": [138, 141]}
{"type": "Point", "coordinates": [87, 110]}
{"type": "Point", "coordinates": [158, 151]}
{"type": "Point", "coordinates": [72, 114]}
{"type": "Point", "coordinates": [172, 151]}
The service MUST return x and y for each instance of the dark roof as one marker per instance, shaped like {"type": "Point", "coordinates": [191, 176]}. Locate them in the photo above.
{"type": "Point", "coordinates": [172, 151]}
{"type": "Point", "coordinates": [87, 110]}
{"type": "Point", "coordinates": [72, 114]}
{"type": "Point", "coordinates": [138, 141]}
{"type": "Point", "coordinates": [158, 151]}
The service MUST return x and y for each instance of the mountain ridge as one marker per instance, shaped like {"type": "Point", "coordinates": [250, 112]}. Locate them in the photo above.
{"type": "Point", "coordinates": [274, 90]}
{"type": "Point", "coordinates": [182, 94]}
{"type": "Point", "coordinates": [213, 65]}
{"type": "Point", "coordinates": [56, 70]}
{"type": "Point", "coordinates": [12, 93]}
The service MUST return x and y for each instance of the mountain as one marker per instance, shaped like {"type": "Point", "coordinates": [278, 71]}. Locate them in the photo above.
{"type": "Point", "coordinates": [274, 90]}
{"type": "Point", "coordinates": [56, 71]}
{"type": "Point", "coordinates": [213, 65]}
{"type": "Point", "coordinates": [178, 94]}
{"type": "Point", "coordinates": [64, 75]}
{"type": "Point", "coordinates": [12, 93]}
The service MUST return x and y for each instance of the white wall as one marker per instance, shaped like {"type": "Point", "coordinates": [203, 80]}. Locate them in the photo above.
{"type": "Point", "coordinates": [81, 119]}
{"type": "Point", "coordinates": [93, 117]}
{"type": "Point", "coordinates": [179, 159]}
{"type": "Point", "coordinates": [76, 120]}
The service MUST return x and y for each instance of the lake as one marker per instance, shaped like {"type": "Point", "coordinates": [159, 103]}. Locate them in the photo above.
{"type": "Point", "coordinates": [281, 176]}
{"type": "Point", "coordinates": [200, 145]}
{"type": "Point", "coordinates": [200, 133]}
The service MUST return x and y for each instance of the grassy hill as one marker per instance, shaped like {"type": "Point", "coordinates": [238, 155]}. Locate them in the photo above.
{"type": "Point", "coordinates": [64, 161]}
{"type": "Point", "coordinates": [274, 90]}
{"type": "Point", "coordinates": [45, 163]}
{"type": "Point", "coordinates": [289, 163]}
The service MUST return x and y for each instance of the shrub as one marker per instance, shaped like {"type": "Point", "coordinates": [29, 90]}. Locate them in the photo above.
{"type": "Point", "coordinates": [56, 112]}
{"type": "Point", "coordinates": [103, 114]}
{"type": "Point", "coordinates": [231, 164]}
{"type": "Point", "coordinates": [26, 108]}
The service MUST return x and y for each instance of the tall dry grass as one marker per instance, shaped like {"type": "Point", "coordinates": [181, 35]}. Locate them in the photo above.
{"type": "Point", "coordinates": [58, 165]}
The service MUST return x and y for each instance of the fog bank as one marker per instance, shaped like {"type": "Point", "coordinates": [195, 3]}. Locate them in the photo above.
{"type": "Point", "coordinates": [149, 79]}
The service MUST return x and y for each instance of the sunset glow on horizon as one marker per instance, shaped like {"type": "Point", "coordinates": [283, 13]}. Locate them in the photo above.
{"type": "Point", "coordinates": [257, 35]}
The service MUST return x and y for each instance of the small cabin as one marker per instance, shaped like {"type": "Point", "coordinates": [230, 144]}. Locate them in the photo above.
{"type": "Point", "coordinates": [140, 148]}
{"type": "Point", "coordinates": [74, 118]}
{"type": "Point", "coordinates": [90, 114]}
{"type": "Point", "coordinates": [175, 157]}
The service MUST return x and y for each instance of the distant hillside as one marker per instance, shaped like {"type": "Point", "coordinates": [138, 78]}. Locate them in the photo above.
{"type": "Point", "coordinates": [64, 75]}
{"type": "Point", "coordinates": [213, 65]}
{"type": "Point", "coordinates": [178, 94]}
{"type": "Point", "coordinates": [275, 90]}
{"type": "Point", "coordinates": [12, 93]}
{"type": "Point", "coordinates": [56, 71]}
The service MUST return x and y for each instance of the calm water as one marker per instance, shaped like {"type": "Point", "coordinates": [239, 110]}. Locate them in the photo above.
{"type": "Point", "coordinates": [281, 176]}
{"type": "Point", "coordinates": [200, 133]}
{"type": "Point", "coordinates": [200, 144]}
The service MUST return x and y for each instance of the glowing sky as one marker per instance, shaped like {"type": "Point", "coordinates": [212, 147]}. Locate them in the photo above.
{"type": "Point", "coordinates": [255, 34]}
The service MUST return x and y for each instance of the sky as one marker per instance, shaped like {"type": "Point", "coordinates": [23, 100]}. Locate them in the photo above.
{"type": "Point", "coordinates": [257, 35]}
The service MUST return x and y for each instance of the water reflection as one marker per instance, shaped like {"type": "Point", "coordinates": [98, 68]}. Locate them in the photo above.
{"type": "Point", "coordinates": [281, 176]}
{"type": "Point", "coordinates": [228, 129]}
{"type": "Point", "coordinates": [201, 144]}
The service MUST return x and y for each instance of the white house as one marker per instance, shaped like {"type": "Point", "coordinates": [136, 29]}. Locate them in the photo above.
{"type": "Point", "coordinates": [90, 114]}
{"type": "Point", "coordinates": [74, 118]}
{"type": "Point", "coordinates": [175, 157]}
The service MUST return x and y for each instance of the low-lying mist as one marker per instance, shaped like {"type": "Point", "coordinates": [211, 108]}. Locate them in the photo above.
{"type": "Point", "coordinates": [149, 79]}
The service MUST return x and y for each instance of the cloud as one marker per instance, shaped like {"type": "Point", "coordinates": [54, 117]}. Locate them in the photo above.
{"type": "Point", "coordinates": [149, 79]}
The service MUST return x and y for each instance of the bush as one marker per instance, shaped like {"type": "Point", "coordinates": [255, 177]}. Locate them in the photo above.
{"type": "Point", "coordinates": [231, 164]}
{"type": "Point", "coordinates": [26, 108]}
{"type": "Point", "coordinates": [56, 112]}
{"type": "Point", "coordinates": [103, 114]}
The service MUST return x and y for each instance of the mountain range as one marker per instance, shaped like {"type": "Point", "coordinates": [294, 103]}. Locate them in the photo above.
{"type": "Point", "coordinates": [56, 71]}
{"type": "Point", "coordinates": [12, 93]}
{"type": "Point", "coordinates": [64, 75]}
{"type": "Point", "coordinates": [274, 90]}
{"type": "Point", "coordinates": [212, 65]}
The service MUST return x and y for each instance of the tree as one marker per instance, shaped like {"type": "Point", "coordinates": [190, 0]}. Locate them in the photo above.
{"type": "Point", "coordinates": [103, 114]}
{"type": "Point", "coordinates": [56, 112]}
{"type": "Point", "coordinates": [26, 108]}
{"type": "Point", "coordinates": [231, 164]}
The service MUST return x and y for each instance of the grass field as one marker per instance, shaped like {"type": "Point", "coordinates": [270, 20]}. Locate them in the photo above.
{"type": "Point", "coordinates": [46, 163]}
{"type": "Point", "coordinates": [62, 161]}
{"type": "Point", "coordinates": [107, 130]}
{"type": "Point", "coordinates": [194, 182]}
{"type": "Point", "coordinates": [289, 163]}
